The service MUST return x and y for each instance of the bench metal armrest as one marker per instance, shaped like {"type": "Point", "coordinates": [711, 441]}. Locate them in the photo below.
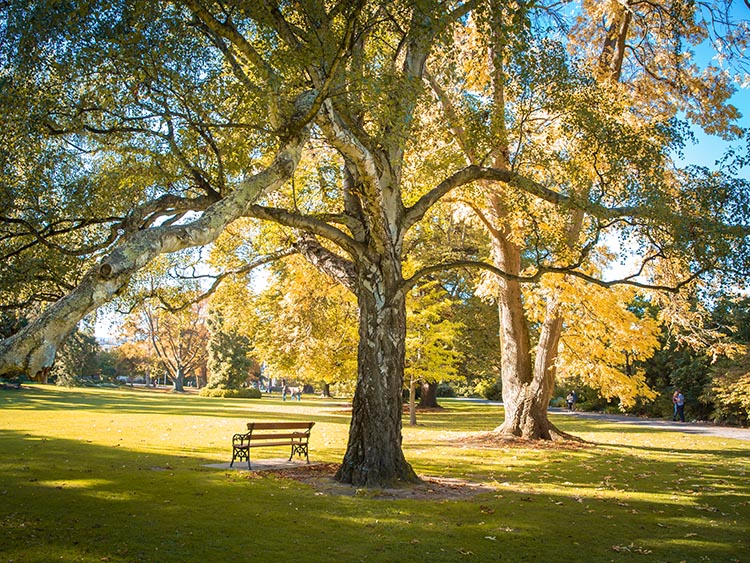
{"type": "Point", "coordinates": [240, 440]}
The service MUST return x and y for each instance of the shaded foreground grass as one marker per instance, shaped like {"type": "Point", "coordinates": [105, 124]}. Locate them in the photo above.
{"type": "Point", "coordinates": [120, 475]}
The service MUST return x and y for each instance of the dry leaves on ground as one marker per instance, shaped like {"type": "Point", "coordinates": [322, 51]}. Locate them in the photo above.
{"type": "Point", "coordinates": [499, 440]}
{"type": "Point", "coordinates": [321, 478]}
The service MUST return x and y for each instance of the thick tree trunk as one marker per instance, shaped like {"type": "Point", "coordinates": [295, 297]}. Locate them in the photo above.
{"type": "Point", "coordinates": [526, 394]}
{"type": "Point", "coordinates": [412, 402]}
{"type": "Point", "coordinates": [526, 389]}
{"type": "Point", "coordinates": [525, 410]}
{"type": "Point", "coordinates": [178, 381]}
{"type": "Point", "coordinates": [428, 398]}
{"type": "Point", "coordinates": [374, 457]}
{"type": "Point", "coordinates": [515, 347]}
{"type": "Point", "coordinates": [529, 419]}
{"type": "Point", "coordinates": [527, 401]}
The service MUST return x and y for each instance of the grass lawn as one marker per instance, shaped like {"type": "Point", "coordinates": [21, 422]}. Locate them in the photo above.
{"type": "Point", "coordinates": [120, 475]}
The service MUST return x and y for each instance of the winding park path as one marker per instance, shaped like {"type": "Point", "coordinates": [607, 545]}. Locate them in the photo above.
{"type": "Point", "coordinates": [686, 427]}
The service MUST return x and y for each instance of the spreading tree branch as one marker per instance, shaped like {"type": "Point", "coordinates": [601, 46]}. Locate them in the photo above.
{"type": "Point", "coordinates": [334, 266]}
{"type": "Point", "coordinates": [218, 279]}
{"type": "Point", "coordinates": [308, 224]}
{"type": "Point", "coordinates": [544, 270]}
{"type": "Point", "coordinates": [34, 347]}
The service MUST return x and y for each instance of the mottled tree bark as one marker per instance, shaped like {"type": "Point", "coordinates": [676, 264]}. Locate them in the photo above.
{"type": "Point", "coordinates": [374, 457]}
{"type": "Point", "coordinates": [526, 399]}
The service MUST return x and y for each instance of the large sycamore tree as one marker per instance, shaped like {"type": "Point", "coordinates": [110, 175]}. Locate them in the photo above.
{"type": "Point", "coordinates": [135, 129]}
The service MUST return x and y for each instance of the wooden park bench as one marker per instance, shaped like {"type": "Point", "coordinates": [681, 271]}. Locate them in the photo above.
{"type": "Point", "coordinates": [266, 434]}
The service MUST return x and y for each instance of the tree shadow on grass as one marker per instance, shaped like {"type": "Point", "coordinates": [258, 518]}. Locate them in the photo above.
{"type": "Point", "coordinates": [69, 500]}
{"type": "Point", "coordinates": [669, 507]}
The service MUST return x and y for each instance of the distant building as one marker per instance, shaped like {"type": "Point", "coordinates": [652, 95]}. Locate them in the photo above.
{"type": "Point", "coordinates": [106, 343]}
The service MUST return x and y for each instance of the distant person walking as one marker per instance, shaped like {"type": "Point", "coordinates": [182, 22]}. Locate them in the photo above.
{"type": "Point", "coordinates": [678, 400]}
{"type": "Point", "coordinates": [571, 400]}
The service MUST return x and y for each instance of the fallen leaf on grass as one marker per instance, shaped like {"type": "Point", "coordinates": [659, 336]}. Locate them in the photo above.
{"type": "Point", "coordinates": [632, 548]}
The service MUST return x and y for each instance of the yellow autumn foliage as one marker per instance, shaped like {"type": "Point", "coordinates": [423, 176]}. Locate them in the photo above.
{"type": "Point", "coordinates": [602, 338]}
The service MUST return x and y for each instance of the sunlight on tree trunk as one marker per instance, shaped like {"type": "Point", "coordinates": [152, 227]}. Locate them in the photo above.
{"type": "Point", "coordinates": [412, 401]}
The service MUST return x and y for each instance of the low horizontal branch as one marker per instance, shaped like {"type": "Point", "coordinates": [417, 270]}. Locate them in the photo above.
{"type": "Point", "coordinates": [308, 224]}
{"type": "Point", "coordinates": [542, 271]}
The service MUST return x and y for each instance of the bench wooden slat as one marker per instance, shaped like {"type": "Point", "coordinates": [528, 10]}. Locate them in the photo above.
{"type": "Point", "coordinates": [262, 444]}
{"type": "Point", "coordinates": [268, 444]}
{"type": "Point", "coordinates": [259, 436]}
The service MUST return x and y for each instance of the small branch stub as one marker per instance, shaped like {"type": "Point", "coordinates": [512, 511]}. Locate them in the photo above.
{"type": "Point", "coordinates": [105, 270]}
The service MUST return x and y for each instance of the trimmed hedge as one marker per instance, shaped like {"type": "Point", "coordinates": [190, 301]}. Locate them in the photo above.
{"type": "Point", "coordinates": [244, 393]}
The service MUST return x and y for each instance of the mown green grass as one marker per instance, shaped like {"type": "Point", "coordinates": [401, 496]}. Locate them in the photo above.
{"type": "Point", "coordinates": [120, 475]}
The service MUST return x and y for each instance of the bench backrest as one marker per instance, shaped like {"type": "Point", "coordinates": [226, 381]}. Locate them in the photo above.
{"type": "Point", "coordinates": [296, 431]}
{"type": "Point", "coordinates": [280, 425]}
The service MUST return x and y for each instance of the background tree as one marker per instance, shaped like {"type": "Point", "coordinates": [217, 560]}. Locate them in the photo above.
{"type": "Point", "coordinates": [431, 335]}
{"type": "Point", "coordinates": [727, 391]}
{"type": "Point", "coordinates": [606, 340]}
{"type": "Point", "coordinates": [706, 362]}
{"type": "Point", "coordinates": [302, 326]}
{"type": "Point", "coordinates": [229, 361]}
{"type": "Point", "coordinates": [135, 359]}
{"type": "Point", "coordinates": [518, 123]}
{"type": "Point", "coordinates": [471, 336]}
{"type": "Point", "coordinates": [479, 367]}
{"type": "Point", "coordinates": [178, 339]}
{"type": "Point", "coordinates": [77, 360]}
{"type": "Point", "coordinates": [730, 391]}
